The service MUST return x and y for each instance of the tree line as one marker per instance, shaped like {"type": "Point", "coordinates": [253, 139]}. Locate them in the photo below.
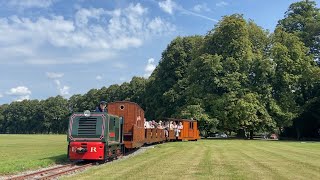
{"type": "Point", "coordinates": [237, 78]}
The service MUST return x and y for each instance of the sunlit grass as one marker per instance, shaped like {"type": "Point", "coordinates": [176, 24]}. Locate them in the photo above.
{"type": "Point", "coordinates": [205, 159]}
{"type": "Point", "coordinates": [25, 152]}
{"type": "Point", "coordinates": [216, 159]}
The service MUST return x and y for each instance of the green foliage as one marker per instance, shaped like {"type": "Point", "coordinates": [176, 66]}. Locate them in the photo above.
{"type": "Point", "coordinates": [55, 114]}
{"type": "Point", "coordinates": [240, 76]}
{"type": "Point", "coordinates": [295, 73]}
{"type": "Point", "coordinates": [206, 123]}
{"type": "Point", "coordinates": [303, 19]}
{"type": "Point", "coordinates": [164, 89]}
{"type": "Point", "coordinates": [230, 38]}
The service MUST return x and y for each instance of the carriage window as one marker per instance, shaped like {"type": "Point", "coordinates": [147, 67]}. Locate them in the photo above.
{"type": "Point", "coordinates": [191, 125]}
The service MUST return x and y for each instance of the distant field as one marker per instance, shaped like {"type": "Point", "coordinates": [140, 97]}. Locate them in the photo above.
{"type": "Point", "coordinates": [24, 152]}
{"type": "Point", "coordinates": [216, 159]}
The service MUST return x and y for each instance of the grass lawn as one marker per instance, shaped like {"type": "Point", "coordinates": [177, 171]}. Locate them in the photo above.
{"type": "Point", "coordinates": [216, 159]}
{"type": "Point", "coordinates": [24, 152]}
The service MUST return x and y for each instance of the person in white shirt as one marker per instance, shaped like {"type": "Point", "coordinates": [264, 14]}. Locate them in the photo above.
{"type": "Point", "coordinates": [180, 127]}
{"type": "Point", "coordinates": [151, 125]}
{"type": "Point", "coordinates": [147, 125]}
{"type": "Point", "coordinates": [166, 128]}
{"type": "Point", "coordinates": [175, 128]}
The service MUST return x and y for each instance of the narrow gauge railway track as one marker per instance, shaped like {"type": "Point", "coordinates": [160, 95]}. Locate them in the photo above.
{"type": "Point", "coordinates": [52, 173]}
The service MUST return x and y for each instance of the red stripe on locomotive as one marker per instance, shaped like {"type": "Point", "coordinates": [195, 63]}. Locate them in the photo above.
{"type": "Point", "coordinates": [86, 150]}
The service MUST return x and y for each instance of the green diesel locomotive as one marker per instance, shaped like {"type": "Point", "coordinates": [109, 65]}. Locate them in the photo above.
{"type": "Point", "coordinates": [95, 136]}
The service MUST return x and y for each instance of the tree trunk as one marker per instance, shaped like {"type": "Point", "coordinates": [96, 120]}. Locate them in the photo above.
{"type": "Point", "coordinates": [241, 133]}
{"type": "Point", "coordinates": [298, 134]}
{"type": "Point", "coordinates": [207, 134]}
{"type": "Point", "coordinates": [251, 134]}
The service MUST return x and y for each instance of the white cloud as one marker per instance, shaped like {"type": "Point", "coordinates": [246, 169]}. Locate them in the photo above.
{"type": "Point", "coordinates": [1, 95]}
{"type": "Point", "coordinates": [30, 3]}
{"type": "Point", "coordinates": [92, 35]}
{"type": "Point", "coordinates": [53, 75]}
{"type": "Point", "coordinates": [149, 67]}
{"type": "Point", "coordinates": [21, 98]}
{"type": "Point", "coordinates": [222, 3]}
{"type": "Point", "coordinates": [57, 82]}
{"type": "Point", "coordinates": [83, 15]}
{"type": "Point", "coordinates": [201, 8]}
{"type": "Point", "coordinates": [167, 6]}
{"type": "Point", "coordinates": [157, 25]}
{"type": "Point", "coordinates": [63, 90]}
{"type": "Point", "coordinates": [20, 92]}
{"type": "Point", "coordinates": [98, 77]}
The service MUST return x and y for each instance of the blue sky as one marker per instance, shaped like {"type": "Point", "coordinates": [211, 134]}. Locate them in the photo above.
{"type": "Point", "coordinates": [52, 47]}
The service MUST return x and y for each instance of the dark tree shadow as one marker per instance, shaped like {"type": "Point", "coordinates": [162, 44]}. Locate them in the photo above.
{"type": "Point", "coordinates": [59, 159]}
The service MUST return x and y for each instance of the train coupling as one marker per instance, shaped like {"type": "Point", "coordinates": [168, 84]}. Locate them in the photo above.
{"type": "Point", "coordinates": [81, 150]}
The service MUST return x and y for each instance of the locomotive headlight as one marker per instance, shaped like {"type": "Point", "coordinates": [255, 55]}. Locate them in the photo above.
{"type": "Point", "coordinates": [87, 113]}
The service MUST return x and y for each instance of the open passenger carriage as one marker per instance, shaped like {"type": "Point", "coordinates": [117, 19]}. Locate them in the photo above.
{"type": "Point", "coordinates": [189, 131]}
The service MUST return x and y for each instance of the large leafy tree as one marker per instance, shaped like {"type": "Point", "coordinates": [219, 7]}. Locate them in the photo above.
{"type": "Point", "coordinates": [230, 77]}
{"type": "Point", "coordinates": [295, 75]}
{"type": "Point", "coordinates": [242, 81]}
{"type": "Point", "coordinates": [161, 96]}
{"type": "Point", "coordinates": [3, 122]}
{"type": "Point", "coordinates": [303, 19]}
{"type": "Point", "coordinates": [55, 114]}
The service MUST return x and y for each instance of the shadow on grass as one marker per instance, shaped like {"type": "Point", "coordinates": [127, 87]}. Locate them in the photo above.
{"type": "Point", "coordinates": [59, 159]}
{"type": "Point", "coordinates": [216, 138]}
{"type": "Point", "coordinates": [261, 139]}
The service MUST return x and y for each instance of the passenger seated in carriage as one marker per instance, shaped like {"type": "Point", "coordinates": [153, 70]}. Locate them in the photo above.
{"type": "Point", "coordinates": [154, 124]}
{"type": "Point", "coordinates": [166, 129]}
{"type": "Point", "coordinates": [160, 125]}
{"type": "Point", "coordinates": [180, 127]}
{"type": "Point", "coordinates": [175, 128]}
{"type": "Point", "coordinates": [147, 125]}
{"type": "Point", "coordinates": [171, 125]}
{"type": "Point", "coordinates": [151, 125]}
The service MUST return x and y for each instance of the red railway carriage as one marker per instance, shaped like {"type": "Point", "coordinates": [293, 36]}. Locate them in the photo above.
{"type": "Point", "coordinates": [133, 128]}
